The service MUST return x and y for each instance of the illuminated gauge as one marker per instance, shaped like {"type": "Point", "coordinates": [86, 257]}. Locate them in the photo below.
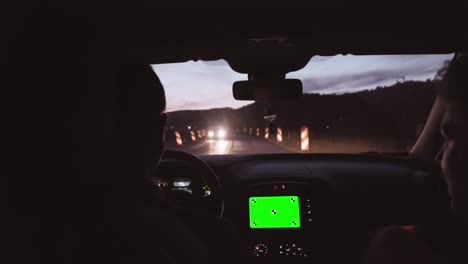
{"type": "Point", "coordinates": [260, 250]}
{"type": "Point", "coordinates": [181, 182]}
{"type": "Point", "coordinates": [187, 190]}
{"type": "Point", "coordinates": [161, 183]}
{"type": "Point", "coordinates": [206, 191]}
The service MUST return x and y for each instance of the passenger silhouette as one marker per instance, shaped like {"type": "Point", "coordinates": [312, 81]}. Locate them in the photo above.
{"type": "Point", "coordinates": [448, 243]}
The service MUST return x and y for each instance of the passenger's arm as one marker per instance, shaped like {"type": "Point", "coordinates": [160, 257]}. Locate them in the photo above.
{"type": "Point", "coordinates": [426, 146]}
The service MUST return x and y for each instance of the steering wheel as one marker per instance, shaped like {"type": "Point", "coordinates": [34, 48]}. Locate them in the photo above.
{"type": "Point", "coordinates": [212, 186]}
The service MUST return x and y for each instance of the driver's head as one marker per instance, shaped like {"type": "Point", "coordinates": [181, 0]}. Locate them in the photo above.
{"type": "Point", "coordinates": [141, 117]}
{"type": "Point", "coordinates": [454, 128]}
{"type": "Point", "coordinates": [119, 128]}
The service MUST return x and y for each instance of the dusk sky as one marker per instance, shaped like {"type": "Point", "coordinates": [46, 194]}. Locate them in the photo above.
{"type": "Point", "coordinates": [205, 85]}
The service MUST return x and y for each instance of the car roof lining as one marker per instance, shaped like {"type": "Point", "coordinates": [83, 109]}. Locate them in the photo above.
{"type": "Point", "coordinates": [166, 36]}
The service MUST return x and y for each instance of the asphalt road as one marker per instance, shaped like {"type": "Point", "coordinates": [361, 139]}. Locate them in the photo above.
{"type": "Point", "coordinates": [247, 145]}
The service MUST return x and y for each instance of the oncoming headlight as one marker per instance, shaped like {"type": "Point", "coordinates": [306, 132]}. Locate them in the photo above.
{"type": "Point", "coordinates": [221, 133]}
{"type": "Point", "coordinates": [210, 134]}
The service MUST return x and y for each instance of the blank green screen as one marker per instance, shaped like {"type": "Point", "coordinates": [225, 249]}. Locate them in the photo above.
{"type": "Point", "coordinates": [274, 212]}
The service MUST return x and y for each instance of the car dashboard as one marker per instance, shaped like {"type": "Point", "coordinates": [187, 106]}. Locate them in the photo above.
{"type": "Point", "coordinates": [322, 208]}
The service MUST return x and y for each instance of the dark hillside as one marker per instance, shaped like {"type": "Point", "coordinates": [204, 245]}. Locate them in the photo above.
{"type": "Point", "coordinates": [393, 111]}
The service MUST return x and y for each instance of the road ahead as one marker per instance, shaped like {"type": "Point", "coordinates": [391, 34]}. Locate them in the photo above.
{"type": "Point", "coordinates": [247, 145]}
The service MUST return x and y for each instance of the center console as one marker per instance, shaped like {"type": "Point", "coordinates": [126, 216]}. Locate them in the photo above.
{"type": "Point", "coordinates": [286, 219]}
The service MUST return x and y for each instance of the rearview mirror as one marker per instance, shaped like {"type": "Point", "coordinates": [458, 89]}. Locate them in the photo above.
{"type": "Point", "coordinates": [267, 90]}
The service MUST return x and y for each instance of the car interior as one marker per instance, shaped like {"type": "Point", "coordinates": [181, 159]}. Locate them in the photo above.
{"type": "Point", "coordinates": [334, 202]}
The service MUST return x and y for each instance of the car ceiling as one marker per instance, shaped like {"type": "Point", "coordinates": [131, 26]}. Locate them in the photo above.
{"type": "Point", "coordinates": [166, 36]}
{"type": "Point", "coordinates": [250, 39]}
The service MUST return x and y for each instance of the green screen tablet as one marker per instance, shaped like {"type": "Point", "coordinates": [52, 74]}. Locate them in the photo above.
{"type": "Point", "coordinates": [274, 212]}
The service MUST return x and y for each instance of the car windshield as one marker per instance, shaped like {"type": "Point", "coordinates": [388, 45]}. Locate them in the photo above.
{"type": "Point", "coordinates": [351, 104]}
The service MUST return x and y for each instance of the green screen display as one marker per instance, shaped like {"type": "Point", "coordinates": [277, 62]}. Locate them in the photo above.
{"type": "Point", "coordinates": [274, 212]}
